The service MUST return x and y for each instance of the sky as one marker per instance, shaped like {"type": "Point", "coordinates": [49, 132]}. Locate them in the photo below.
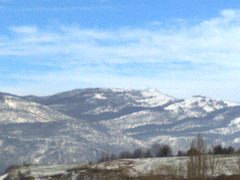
{"type": "Point", "coordinates": [179, 47]}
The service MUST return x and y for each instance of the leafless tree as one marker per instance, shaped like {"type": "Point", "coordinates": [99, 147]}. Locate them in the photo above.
{"type": "Point", "coordinates": [197, 163]}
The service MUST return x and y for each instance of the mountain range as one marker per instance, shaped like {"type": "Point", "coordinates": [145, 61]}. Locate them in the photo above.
{"type": "Point", "coordinates": [77, 126]}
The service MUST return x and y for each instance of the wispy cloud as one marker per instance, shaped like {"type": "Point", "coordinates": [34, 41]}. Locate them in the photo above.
{"type": "Point", "coordinates": [214, 41]}
{"type": "Point", "coordinates": [196, 55]}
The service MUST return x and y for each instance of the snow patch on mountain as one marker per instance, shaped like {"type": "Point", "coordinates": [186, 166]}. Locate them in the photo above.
{"type": "Point", "coordinates": [103, 109]}
{"type": "Point", "coordinates": [225, 131]}
{"type": "Point", "coordinates": [99, 96]}
{"type": "Point", "coordinates": [218, 118]}
{"type": "Point", "coordinates": [236, 140]}
{"type": "Point", "coordinates": [186, 125]}
{"type": "Point", "coordinates": [235, 122]}
{"type": "Point", "coordinates": [17, 110]}
{"type": "Point", "coordinates": [153, 98]}
{"type": "Point", "coordinates": [232, 128]}
{"type": "Point", "coordinates": [120, 90]}
{"type": "Point", "coordinates": [198, 106]}
{"type": "Point", "coordinates": [141, 118]}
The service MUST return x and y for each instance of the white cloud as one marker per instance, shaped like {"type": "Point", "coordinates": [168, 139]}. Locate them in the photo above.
{"type": "Point", "coordinates": [156, 23]}
{"type": "Point", "coordinates": [230, 13]}
{"type": "Point", "coordinates": [197, 55]}
{"type": "Point", "coordinates": [213, 41]}
{"type": "Point", "coordinates": [23, 30]}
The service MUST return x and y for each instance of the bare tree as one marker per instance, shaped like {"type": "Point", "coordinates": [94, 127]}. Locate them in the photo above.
{"type": "Point", "coordinates": [197, 163]}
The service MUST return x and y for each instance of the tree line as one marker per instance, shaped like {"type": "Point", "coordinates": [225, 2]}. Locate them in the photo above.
{"type": "Point", "coordinates": [215, 150]}
{"type": "Point", "coordinates": [158, 150]}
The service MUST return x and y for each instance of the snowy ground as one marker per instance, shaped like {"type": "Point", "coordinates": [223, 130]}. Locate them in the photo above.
{"type": "Point", "coordinates": [217, 165]}
{"type": "Point", "coordinates": [44, 171]}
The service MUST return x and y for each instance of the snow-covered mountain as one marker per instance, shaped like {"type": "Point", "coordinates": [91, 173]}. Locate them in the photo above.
{"type": "Point", "coordinates": [76, 126]}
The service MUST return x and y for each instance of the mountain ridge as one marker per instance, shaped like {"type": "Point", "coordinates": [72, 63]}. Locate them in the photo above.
{"type": "Point", "coordinates": [77, 126]}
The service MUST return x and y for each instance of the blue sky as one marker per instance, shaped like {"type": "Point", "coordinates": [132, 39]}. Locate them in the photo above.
{"type": "Point", "coordinates": [180, 47]}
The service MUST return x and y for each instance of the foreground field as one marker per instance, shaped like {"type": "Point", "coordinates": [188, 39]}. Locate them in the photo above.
{"type": "Point", "coordinates": [150, 168]}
